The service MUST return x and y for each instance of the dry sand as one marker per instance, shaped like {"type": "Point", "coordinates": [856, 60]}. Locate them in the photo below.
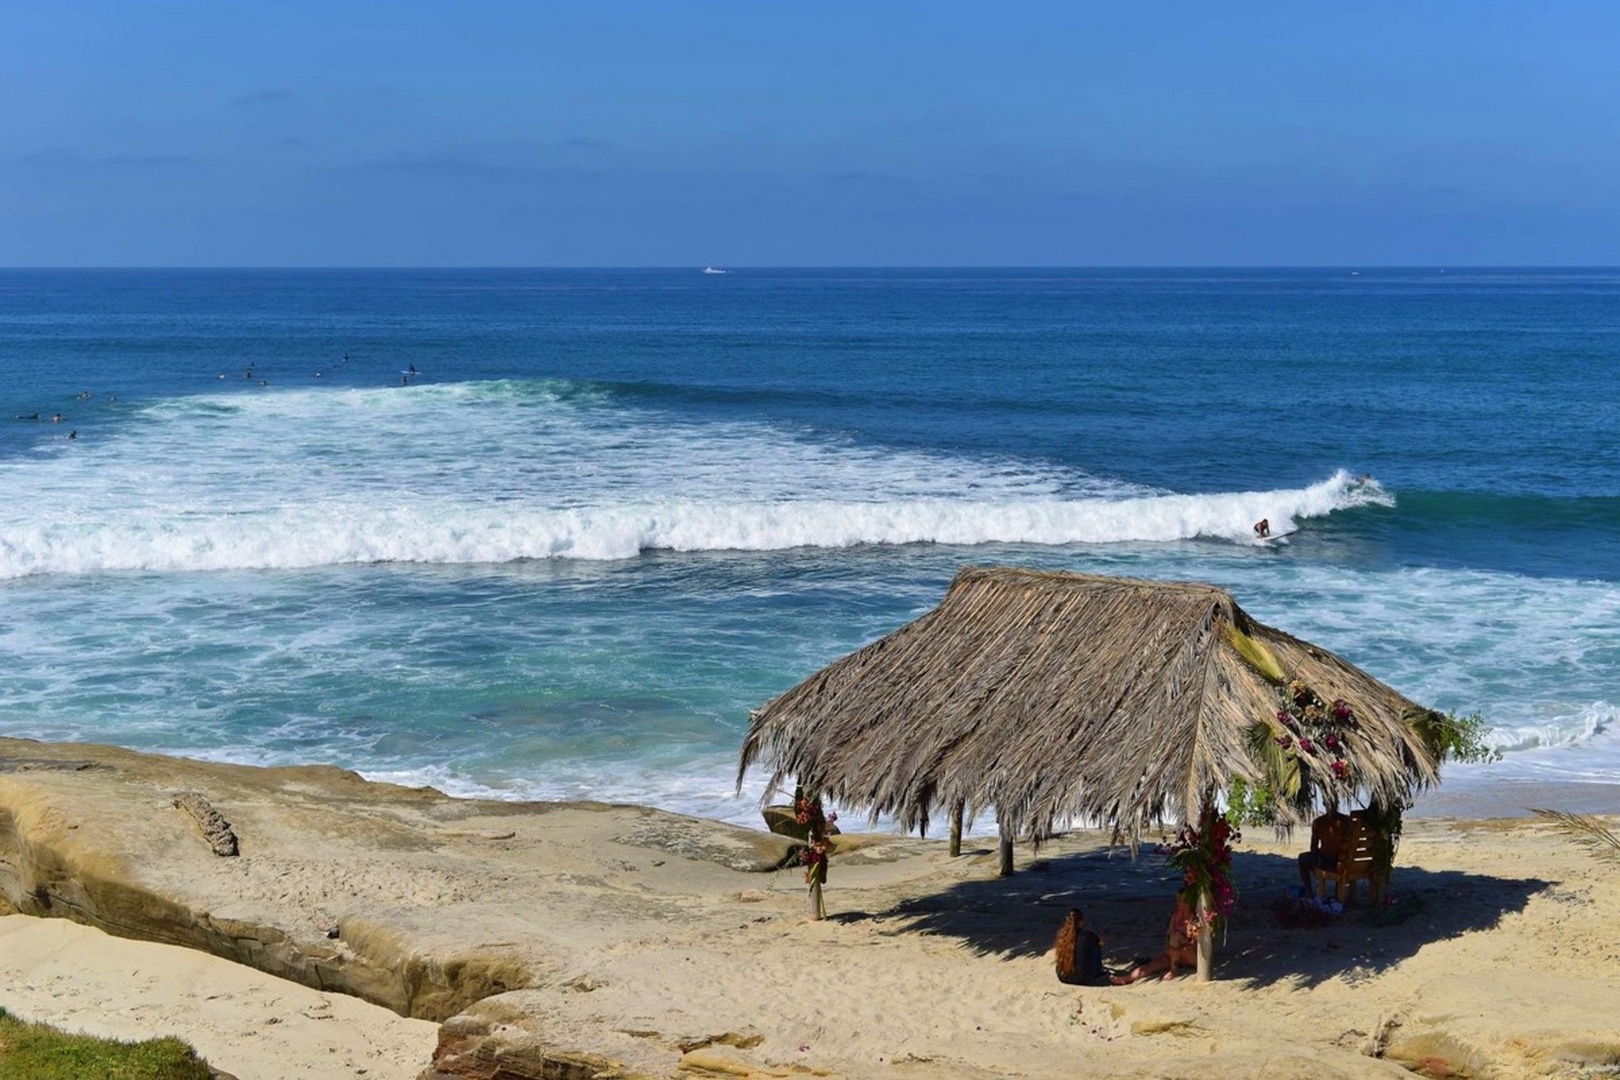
{"type": "Point", "coordinates": [644, 943]}
{"type": "Point", "coordinates": [243, 1021]}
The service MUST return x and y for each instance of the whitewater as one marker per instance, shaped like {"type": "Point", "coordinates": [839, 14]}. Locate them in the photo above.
{"type": "Point", "coordinates": [497, 473]}
{"type": "Point", "coordinates": [568, 556]}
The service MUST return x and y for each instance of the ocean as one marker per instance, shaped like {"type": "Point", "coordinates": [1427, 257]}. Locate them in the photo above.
{"type": "Point", "coordinates": [553, 533]}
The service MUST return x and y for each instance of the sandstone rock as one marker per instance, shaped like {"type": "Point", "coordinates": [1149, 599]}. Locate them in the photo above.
{"type": "Point", "coordinates": [722, 1061]}
{"type": "Point", "coordinates": [480, 1047]}
{"type": "Point", "coordinates": [215, 829]}
{"type": "Point", "coordinates": [430, 918]}
{"type": "Point", "coordinates": [731, 847]}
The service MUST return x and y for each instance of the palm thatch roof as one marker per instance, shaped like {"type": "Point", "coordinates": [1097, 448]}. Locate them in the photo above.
{"type": "Point", "coordinates": [1059, 697]}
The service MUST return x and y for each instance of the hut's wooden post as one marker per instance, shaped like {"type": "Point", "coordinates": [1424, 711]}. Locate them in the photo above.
{"type": "Point", "coordinates": [956, 830]}
{"type": "Point", "coordinates": [1006, 850]}
{"type": "Point", "coordinates": [1206, 902]}
{"type": "Point", "coordinates": [814, 819]}
{"type": "Point", "coordinates": [1206, 938]}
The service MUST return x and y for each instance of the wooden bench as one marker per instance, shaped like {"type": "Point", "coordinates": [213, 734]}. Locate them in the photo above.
{"type": "Point", "coordinates": [1357, 861]}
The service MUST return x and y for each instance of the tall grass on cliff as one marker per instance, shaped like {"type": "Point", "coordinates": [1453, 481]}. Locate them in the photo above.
{"type": "Point", "coordinates": [37, 1052]}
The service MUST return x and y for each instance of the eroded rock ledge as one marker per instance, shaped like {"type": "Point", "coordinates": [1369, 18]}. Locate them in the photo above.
{"type": "Point", "coordinates": [427, 905]}
{"type": "Point", "coordinates": [401, 896]}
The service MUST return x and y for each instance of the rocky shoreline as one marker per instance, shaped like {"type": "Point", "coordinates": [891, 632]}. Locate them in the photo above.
{"type": "Point", "coordinates": [403, 897]}
{"type": "Point", "coordinates": [587, 940]}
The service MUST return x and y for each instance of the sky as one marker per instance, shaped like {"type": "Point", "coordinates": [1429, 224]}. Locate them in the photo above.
{"type": "Point", "coordinates": [759, 133]}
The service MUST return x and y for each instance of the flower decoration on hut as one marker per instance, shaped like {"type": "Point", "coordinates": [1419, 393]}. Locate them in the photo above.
{"type": "Point", "coordinates": [1203, 854]}
{"type": "Point", "coordinates": [809, 813]}
{"type": "Point", "coordinates": [1316, 732]}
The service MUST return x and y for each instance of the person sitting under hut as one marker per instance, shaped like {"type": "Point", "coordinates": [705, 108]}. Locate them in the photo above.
{"type": "Point", "coordinates": [1180, 949]}
{"type": "Point", "coordinates": [1327, 836]}
{"type": "Point", "coordinates": [1078, 952]}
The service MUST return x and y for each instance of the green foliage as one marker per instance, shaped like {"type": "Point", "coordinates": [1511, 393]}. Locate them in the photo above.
{"type": "Point", "coordinates": [1455, 738]}
{"type": "Point", "coordinates": [37, 1052]}
{"type": "Point", "coordinates": [1386, 822]}
{"type": "Point", "coordinates": [1251, 804]}
{"type": "Point", "coordinates": [1286, 785]}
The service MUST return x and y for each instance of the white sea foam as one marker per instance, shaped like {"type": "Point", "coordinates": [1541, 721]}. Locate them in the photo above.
{"type": "Point", "coordinates": [340, 665]}
{"type": "Point", "coordinates": [1583, 724]}
{"type": "Point", "coordinates": [701, 788]}
{"type": "Point", "coordinates": [501, 472]}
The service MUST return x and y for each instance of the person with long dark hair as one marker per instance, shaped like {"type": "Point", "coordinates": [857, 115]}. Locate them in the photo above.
{"type": "Point", "coordinates": [1078, 952]}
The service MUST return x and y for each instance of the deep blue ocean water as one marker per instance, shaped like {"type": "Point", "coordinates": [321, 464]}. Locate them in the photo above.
{"type": "Point", "coordinates": [553, 533]}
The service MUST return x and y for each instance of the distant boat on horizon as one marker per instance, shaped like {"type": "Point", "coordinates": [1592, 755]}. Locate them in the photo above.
{"type": "Point", "coordinates": [713, 270]}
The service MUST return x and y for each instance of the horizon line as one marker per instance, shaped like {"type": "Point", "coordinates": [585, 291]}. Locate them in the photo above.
{"type": "Point", "coordinates": [728, 268]}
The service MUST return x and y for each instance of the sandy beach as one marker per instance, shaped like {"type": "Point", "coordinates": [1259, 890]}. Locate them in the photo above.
{"type": "Point", "coordinates": [621, 941]}
{"type": "Point", "coordinates": [243, 1021]}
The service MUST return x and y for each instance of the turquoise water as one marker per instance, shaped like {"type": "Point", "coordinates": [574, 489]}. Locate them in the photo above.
{"type": "Point", "coordinates": [554, 533]}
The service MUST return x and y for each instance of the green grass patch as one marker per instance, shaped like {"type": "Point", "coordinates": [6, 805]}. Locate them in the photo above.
{"type": "Point", "coordinates": [38, 1052]}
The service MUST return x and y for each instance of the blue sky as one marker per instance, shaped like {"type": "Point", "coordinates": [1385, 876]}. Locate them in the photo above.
{"type": "Point", "coordinates": [605, 133]}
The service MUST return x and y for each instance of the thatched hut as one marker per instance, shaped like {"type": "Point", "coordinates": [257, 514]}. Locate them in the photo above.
{"type": "Point", "coordinates": [1053, 697]}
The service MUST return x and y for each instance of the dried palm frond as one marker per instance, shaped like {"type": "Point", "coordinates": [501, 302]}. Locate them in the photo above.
{"type": "Point", "coordinates": [1585, 830]}
{"type": "Point", "coordinates": [1051, 697]}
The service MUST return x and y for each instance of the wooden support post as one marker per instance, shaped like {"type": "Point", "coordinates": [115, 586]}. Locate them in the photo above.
{"type": "Point", "coordinates": [956, 830]}
{"type": "Point", "coordinates": [818, 910]}
{"type": "Point", "coordinates": [1006, 850]}
{"type": "Point", "coordinates": [1206, 939]}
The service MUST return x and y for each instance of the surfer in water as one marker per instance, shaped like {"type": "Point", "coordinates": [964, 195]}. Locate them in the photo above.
{"type": "Point", "coordinates": [1262, 528]}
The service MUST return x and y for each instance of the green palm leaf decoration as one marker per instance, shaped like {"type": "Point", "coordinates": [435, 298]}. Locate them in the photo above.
{"type": "Point", "coordinates": [1586, 831]}
{"type": "Point", "coordinates": [1285, 776]}
{"type": "Point", "coordinates": [1255, 654]}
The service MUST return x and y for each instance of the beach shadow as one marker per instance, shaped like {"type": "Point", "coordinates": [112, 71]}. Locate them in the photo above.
{"type": "Point", "coordinates": [1129, 904]}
